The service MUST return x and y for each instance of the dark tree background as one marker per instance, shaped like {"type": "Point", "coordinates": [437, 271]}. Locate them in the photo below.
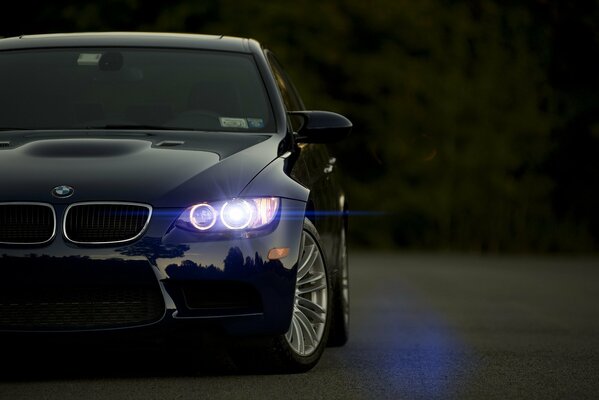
{"type": "Point", "coordinates": [476, 122]}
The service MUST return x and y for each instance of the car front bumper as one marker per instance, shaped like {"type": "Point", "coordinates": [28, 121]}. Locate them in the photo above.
{"type": "Point", "coordinates": [191, 281]}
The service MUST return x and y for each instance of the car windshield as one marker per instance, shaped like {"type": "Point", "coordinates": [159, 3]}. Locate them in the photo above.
{"type": "Point", "coordinates": [120, 88]}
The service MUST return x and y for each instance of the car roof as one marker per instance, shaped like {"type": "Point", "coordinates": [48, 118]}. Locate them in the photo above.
{"type": "Point", "coordinates": [133, 39]}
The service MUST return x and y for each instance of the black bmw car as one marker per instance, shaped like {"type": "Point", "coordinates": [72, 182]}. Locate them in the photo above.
{"type": "Point", "coordinates": [156, 183]}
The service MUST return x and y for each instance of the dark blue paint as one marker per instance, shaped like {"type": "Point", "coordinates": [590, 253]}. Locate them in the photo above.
{"type": "Point", "coordinates": [130, 165]}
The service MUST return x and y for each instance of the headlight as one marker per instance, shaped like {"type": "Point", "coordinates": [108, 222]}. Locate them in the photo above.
{"type": "Point", "coordinates": [231, 215]}
{"type": "Point", "coordinates": [202, 216]}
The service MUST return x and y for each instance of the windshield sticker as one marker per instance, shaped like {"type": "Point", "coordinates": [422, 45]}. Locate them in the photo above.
{"type": "Point", "coordinates": [256, 123]}
{"type": "Point", "coordinates": [239, 123]}
{"type": "Point", "coordinates": [89, 58]}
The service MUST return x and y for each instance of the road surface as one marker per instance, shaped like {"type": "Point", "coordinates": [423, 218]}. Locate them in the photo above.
{"type": "Point", "coordinates": [423, 327]}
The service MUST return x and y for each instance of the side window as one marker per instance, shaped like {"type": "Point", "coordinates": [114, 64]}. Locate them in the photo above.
{"type": "Point", "coordinates": [291, 98]}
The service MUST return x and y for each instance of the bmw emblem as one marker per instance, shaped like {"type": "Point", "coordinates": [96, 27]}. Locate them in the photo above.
{"type": "Point", "coordinates": [63, 191]}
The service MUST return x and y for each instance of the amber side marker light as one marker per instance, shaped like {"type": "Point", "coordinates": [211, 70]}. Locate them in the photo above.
{"type": "Point", "coordinates": [278, 252]}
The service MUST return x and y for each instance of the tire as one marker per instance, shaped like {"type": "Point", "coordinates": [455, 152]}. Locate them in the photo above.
{"type": "Point", "coordinates": [300, 348]}
{"type": "Point", "coordinates": [339, 333]}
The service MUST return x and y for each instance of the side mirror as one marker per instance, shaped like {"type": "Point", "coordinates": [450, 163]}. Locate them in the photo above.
{"type": "Point", "coordinates": [321, 126]}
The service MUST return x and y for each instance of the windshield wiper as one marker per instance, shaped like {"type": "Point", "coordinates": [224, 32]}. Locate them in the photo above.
{"type": "Point", "coordinates": [107, 126]}
{"type": "Point", "coordinates": [136, 126]}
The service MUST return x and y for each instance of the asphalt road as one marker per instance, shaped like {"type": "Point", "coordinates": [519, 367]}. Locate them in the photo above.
{"type": "Point", "coordinates": [423, 327]}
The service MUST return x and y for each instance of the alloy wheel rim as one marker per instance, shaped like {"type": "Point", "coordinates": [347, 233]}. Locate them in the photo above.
{"type": "Point", "coordinates": [310, 306]}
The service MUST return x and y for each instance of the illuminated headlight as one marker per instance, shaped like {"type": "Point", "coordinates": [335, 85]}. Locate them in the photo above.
{"type": "Point", "coordinates": [231, 215]}
{"type": "Point", "coordinates": [202, 216]}
{"type": "Point", "coordinates": [236, 214]}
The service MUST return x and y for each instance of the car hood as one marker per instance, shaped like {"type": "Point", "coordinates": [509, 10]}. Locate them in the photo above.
{"type": "Point", "coordinates": [173, 169]}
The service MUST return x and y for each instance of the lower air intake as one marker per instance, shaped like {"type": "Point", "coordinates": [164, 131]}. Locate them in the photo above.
{"type": "Point", "coordinates": [79, 308]}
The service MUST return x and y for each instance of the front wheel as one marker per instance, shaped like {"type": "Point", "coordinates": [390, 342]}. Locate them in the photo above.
{"type": "Point", "coordinates": [300, 348]}
{"type": "Point", "coordinates": [310, 320]}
